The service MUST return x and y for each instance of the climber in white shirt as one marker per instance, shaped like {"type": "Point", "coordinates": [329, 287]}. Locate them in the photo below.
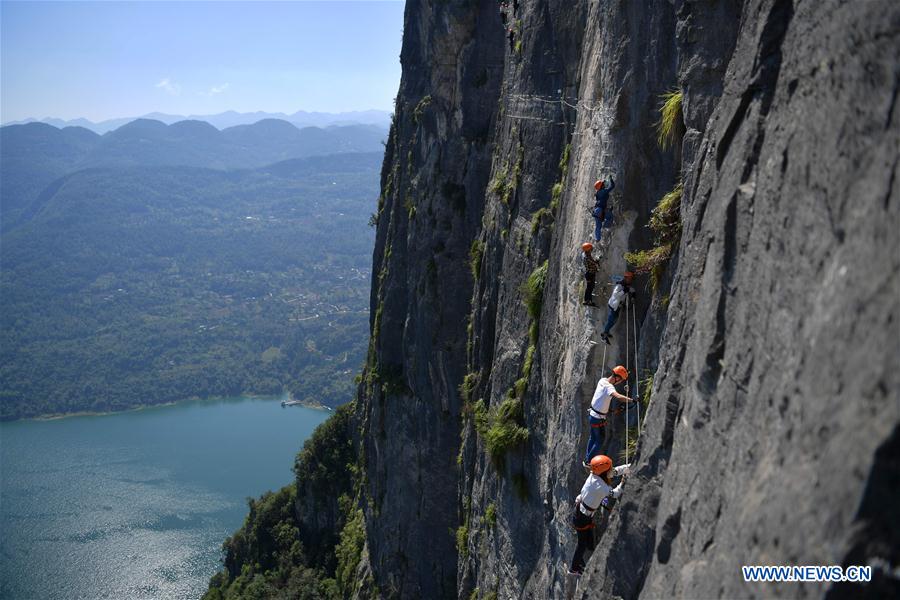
{"type": "Point", "coordinates": [595, 492]}
{"type": "Point", "coordinates": [605, 392]}
{"type": "Point", "coordinates": [622, 293]}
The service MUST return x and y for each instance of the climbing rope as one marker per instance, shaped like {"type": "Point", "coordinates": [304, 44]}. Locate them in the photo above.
{"type": "Point", "coordinates": [637, 374]}
{"type": "Point", "coordinates": [603, 368]}
{"type": "Point", "coordinates": [627, 306]}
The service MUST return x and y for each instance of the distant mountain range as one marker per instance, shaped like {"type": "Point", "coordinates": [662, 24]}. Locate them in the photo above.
{"type": "Point", "coordinates": [158, 262]}
{"type": "Point", "coordinates": [380, 118]}
{"type": "Point", "coordinates": [33, 155]}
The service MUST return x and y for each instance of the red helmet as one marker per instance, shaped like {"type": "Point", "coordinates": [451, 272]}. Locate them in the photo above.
{"type": "Point", "coordinates": [600, 464]}
{"type": "Point", "coordinates": [587, 246]}
{"type": "Point", "coordinates": [598, 184]}
{"type": "Point", "coordinates": [628, 275]}
{"type": "Point", "coordinates": [621, 371]}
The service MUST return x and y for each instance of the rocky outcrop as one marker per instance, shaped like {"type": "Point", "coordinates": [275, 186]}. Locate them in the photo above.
{"type": "Point", "coordinates": [771, 336]}
{"type": "Point", "coordinates": [778, 381]}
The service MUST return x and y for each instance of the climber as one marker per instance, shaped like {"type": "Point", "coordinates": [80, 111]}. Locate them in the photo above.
{"type": "Point", "coordinates": [599, 212]}
{"type": "Point", "coordinates": [596, 492]}
{"type": "Point", "coordinates": [503, 8]}
{"type": "Point", "coordinates": [512, 39]}
{"type": "Point", "coordinates": [622, 291]}
{"type": "Point", "coordinates": [590, 265]}
{"type": "Point", "coordinates": [605, 392]}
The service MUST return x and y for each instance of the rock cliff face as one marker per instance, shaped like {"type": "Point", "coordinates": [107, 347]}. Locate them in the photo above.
{"type": "Point", "coordinates": [771, 436]}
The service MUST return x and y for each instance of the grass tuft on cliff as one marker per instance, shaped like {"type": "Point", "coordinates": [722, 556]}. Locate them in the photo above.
{"type": "Point", "coordinates": [505, 430]}
{"type": "Point", "coordinates": [533, 291]}
{"type": "Point", "coordinates": [671, 120]}
{"type": "Point", "coordinates": [476, 251]}
{"type": "Point", "coordinates": [501, 427]}
{"type": "Point", "coordinates": [665, 221]}
{"type": "Point", "coordinates": [630, 445]}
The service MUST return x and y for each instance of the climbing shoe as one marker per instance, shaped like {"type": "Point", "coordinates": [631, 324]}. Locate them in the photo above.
{"type": "Point", "coordinates": [575, 572]}
{"type": "Point", "coordinates": [605, 337]}
{"type": "Point", "coordinates": [588, 304]}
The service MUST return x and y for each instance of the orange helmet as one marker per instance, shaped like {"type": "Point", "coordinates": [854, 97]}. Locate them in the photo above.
{"type": "Point", "coordinates": [600, 464]}
{"type": "Point", "coordinates": [621, 371]}
{"type": "Point", "coordinates": [598, 184]}
{"type": "Point", "coordinates": [587, 246]}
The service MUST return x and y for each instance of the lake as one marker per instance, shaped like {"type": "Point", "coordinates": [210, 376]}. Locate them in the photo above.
{"type": "Point", "coordinates": [137, 504]}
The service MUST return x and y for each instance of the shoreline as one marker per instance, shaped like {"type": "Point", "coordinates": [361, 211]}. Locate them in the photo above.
{"type": "Point", "coordinates": [246, 396]}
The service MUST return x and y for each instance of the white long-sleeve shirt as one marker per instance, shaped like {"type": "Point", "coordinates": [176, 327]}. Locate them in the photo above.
{"type": "Point", "coordinates": [602, 397]}
{"type": "Point", "coordinates": [595, 489]}
{"type": "Point", "coordinates": [618, 294]}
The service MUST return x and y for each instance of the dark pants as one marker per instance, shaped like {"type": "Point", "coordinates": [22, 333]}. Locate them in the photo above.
{"type": "Point", "coordinates": [611, 318]}
{"type": "Point", "coordinates": [590, 279]}
{"type": "Point", "coordinates": [584, 527]}
{"type": "Point", "coordinates": [595, 441]}
{"type": "Point", "coordinates": [600, 223]}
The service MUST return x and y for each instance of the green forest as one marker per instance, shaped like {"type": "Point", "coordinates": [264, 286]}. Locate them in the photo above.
{"type": "Point", "coordinates": [125, 286]}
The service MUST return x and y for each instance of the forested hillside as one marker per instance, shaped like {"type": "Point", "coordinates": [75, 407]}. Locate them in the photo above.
{"type": "Point", "coordinates": [36, 154]}
{"type": "Point", "coordinates": [127, 285]}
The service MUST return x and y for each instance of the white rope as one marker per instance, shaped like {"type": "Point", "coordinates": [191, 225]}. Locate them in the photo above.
{"type": "Point", "coordinates": [627, 305]}
{"type": "Point", "coordinates": [637, 373]}
{"type": "Point", "coordinates": [603, 368]}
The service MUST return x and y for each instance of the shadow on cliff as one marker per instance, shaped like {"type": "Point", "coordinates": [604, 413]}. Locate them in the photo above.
{"type": "Point", "coordinates": [877, 541]}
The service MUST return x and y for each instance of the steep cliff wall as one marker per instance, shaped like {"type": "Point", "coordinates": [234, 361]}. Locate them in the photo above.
{"type": "Point", "coordinates": [778, 375]}
{"type": "Point", "coordinates": [436, 169]}
{"type": "Point", "coordinates": [772, 334]}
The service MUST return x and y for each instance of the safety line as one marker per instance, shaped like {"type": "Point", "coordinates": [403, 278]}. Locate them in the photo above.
{"type": "Point", "coordinates": [627, 305]}
{"type": "Point", "coordinates": [637, 373]}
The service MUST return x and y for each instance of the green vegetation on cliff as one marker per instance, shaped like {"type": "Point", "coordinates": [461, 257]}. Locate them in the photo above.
{"type": "Point", "coordinates": [303, 541]}
{"type": "Point", "coordinates": [266, 558]}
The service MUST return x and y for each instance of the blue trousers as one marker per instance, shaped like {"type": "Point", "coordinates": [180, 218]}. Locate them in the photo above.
{"type": "Point", "coordinates": [611, 318]}
{"type": "Point", "coordinates": [600, 223]}
{"type": "Point", "coordinates": [595, 441]}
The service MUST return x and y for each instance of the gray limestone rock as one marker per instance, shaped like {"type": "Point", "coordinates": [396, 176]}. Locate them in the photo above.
{"type": "Point", "coordinates": [772, 337]}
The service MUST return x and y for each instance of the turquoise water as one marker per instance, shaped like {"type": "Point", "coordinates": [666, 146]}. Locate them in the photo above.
{"type": "Point", "coordinates": [136, 505]}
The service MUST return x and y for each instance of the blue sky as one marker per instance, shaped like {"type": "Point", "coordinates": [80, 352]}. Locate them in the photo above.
{"type": "Point", "coordinates": [104, 60]}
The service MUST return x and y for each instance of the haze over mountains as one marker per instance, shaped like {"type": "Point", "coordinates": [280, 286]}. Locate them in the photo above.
{"type": "Point", "coordinates": [301, 118]}
{"type": "Point", "coordinates": [35, 154]}
{"type": "Point", "coordinates": [159, 262]}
